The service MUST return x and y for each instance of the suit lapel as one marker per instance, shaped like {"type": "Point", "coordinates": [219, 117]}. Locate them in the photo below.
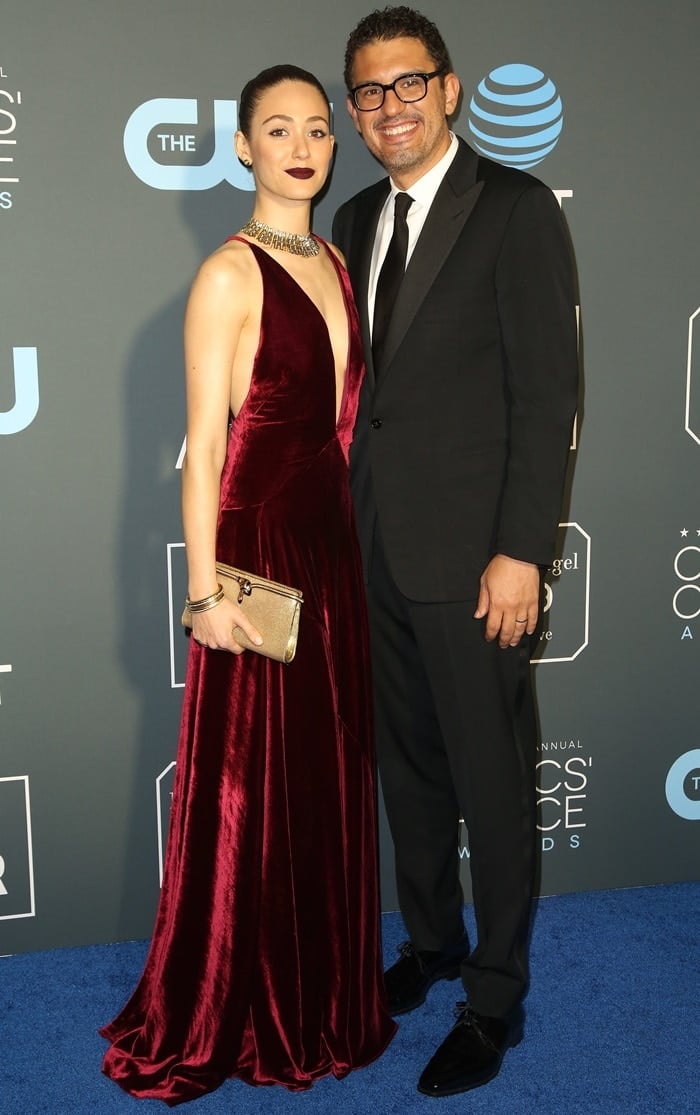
{"type": "Point", "coordinates": [359, 266]}
{"type": "Point", "coordinates": [453, 204]}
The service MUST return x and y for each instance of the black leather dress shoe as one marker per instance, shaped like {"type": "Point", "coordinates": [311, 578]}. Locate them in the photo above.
{"type": "Point", "coordinates": [408, 981]}
{"type": "Point", "coordinates": [471, 1054]}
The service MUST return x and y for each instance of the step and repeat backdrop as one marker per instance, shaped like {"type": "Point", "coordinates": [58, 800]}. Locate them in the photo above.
{"type": "Point", "coordinates": [117, 176]}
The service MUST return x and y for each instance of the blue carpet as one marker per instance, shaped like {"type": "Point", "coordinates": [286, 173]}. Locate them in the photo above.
{"type": "Point", "coordinates": [612, 1025]}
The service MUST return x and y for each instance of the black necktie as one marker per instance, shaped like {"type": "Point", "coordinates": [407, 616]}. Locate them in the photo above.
{"type": "Point", "coordinates": [390, 276]}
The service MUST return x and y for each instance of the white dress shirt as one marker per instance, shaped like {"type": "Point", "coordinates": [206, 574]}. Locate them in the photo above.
{"type": "Point", "coordinates": [423, 193]}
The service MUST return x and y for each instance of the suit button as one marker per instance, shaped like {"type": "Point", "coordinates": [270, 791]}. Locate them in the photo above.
{"type": "Point", "coordinates": [376, 423]}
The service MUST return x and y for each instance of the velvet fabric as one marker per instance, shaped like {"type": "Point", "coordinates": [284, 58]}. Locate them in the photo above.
{"type": "Point", "coordinates": [265, 960]}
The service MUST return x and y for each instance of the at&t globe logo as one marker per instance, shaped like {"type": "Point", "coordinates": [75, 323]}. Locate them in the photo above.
{"type": "Point", "coordinates": [516, 116]}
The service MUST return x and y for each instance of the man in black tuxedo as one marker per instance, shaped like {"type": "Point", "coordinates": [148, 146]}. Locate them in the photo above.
{"type": "Point", "coordinates": [458, 468]}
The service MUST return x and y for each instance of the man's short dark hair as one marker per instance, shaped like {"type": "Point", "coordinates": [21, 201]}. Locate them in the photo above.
{"type": "Point", "coordinates": [396, 23]}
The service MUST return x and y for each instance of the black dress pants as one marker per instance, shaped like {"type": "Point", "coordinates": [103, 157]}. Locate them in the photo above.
{"type": "Point", "coordinates": [456, 737]}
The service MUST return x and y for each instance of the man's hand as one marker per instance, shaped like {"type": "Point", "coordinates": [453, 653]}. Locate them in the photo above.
{"type": "Point", "coordinates": [509, 598]}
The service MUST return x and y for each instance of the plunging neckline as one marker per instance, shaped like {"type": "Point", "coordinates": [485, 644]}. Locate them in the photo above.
{"type": "Point", "coordinates": [339, 279]}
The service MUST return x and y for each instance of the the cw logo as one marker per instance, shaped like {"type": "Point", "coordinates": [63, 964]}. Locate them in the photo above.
{"type": "Point", "coordinates": [26, 377]}
{"type": "Point", "coordinates": [165, 112]}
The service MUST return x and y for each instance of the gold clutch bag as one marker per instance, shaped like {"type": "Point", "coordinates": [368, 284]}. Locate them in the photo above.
{"type": "Point", "coordinates": [272, 608]}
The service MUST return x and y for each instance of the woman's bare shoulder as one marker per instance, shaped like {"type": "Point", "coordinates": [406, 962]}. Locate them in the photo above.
{"type": "Point", "coordinates": [226, 287]}
{"type": "Point", "coordinates": [229, 266]}
{"type": "Point", "coordinates": [336, 252]}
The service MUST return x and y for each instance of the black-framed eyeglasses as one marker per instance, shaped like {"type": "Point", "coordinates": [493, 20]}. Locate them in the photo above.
{"type": "Point", "coordinates": [407, 87]}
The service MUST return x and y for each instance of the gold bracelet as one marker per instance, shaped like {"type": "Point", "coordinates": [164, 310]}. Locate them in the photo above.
{"type": "Point", "coordinates": [206, 602]}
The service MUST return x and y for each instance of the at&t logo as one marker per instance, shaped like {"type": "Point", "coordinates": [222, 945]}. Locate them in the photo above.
{"type": "Point", "coordinates": [516, 116]}
{"type": "Point", "coordinates": [26, 392]}
{"type": "Point", "coordinates": [157, 129]}
{"type": "Point", "coordinates": [683, 786]}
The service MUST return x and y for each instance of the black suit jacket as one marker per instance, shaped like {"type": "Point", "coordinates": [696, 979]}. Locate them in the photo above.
{"type": "Point", "coordinates": [462, 437]}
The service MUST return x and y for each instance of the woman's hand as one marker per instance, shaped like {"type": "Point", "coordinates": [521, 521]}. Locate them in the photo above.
{"type": "Point", "coordinates": [214, 628]}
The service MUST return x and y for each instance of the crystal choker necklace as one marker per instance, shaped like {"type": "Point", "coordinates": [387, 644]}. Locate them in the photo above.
{"type": "Point", "coordinates": [276, 238]}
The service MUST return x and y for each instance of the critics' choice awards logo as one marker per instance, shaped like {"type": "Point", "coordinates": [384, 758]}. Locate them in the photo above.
{"type": "Point", "coordinates": [516, 116]}
{"type": "Point", "coordinates": [683, 786]}
{"type": "Point", "coordinates": [686, 584]}
{"type": "Point", "coordinates": [165, 146]}
{"type": "Point", "coordinates": [24, 392]}
{"type": "Point", "coordinates": [563, 773]}
{"type": "Point", "coordinates": [10, 102]}
{"type": "Point", "coordinates": [16, 856]}
{"type": "Point", "coordinates": [561, 786]}
{"type": "Point", "coordinates": [692, 387]}
{"type": "Point", "coordinates": [567, 598]}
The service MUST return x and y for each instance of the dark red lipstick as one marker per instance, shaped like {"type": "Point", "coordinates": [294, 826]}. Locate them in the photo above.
{"type": "Point", "coordinates": [301, 172]}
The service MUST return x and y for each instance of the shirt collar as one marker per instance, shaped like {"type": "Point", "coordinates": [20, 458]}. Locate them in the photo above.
{"type": "Point", "coordinates": [423, 191]}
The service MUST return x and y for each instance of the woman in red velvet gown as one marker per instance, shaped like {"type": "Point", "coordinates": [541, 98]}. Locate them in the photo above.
{"type": "Point", "coordinates": [265, 960]}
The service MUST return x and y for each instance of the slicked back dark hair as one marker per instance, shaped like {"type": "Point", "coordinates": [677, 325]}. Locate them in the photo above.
{"type": "Point", "coordinates": [396, 23]}
{"type": "Point", "coordinates": [268, 79]}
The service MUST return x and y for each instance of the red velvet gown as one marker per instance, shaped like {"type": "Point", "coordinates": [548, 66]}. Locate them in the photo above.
{"type": "Point", "coordinates": [265, 959]}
